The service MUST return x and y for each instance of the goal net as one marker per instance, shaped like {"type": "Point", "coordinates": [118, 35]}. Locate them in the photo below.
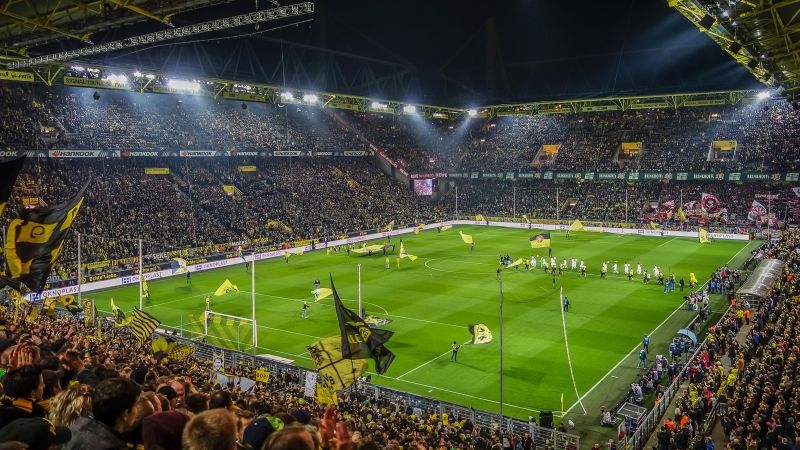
{"type": "Point", "coordinates": [225, 330]}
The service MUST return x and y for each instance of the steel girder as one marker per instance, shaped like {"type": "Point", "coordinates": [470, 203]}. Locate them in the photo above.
{"type": "Point", "coordinates": [762, 35]}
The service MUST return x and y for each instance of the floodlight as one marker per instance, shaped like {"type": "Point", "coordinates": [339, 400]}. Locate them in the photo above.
{"type": "Point", "coordinates": [287, 96]}
{"type": "Point", "coordinates": [472, 112]}
{"type": "Point", "coordinates": [137, 74]}
{"type": "Point", "coordinates": [183, 85]}
{"type": "Point", "coordinates": [122, 79]}
{"type": "Point", "coordinates": [409, 109]}
{"type": "Point", "coordinates": [378, 105]}
{"type": "Point", "coordinates": [763, 95]}
{"type": "Point", "coordinates": [310, 98]}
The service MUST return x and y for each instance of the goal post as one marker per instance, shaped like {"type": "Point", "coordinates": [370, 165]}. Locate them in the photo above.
{"type": "Point", "coordinates": [230, 329]}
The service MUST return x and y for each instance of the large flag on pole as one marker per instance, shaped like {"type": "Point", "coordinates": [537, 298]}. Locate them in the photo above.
{"type": "Point", "coordinates": [403, 253]}
{"type": "Point", "coordinates": [467, 238]}
{"type": "Point", "coordinates": [35, 240]}
{"type": "Point", "coordinates": [681, 215]}
{"type": "Point", "coordinates": [226, 288]}
{"type": "Point", "coordinates": [321, 293]}
{"type": "Point", "coordinates": [178, 266]}
{"type": "Point", "coordinates": [703, 236]}
{"type": "Point", "coordinates": [576, 225]}
{"type": "Point", "coordinates": [8, 174]}
{"type": "Point", "coordinates": [142, 325]}
{"type": "Point", "coordinates": [335, 371]}
{"type": "Point", "coordinates": [756, 211]}
{"type": "Point", "coordinates": [359, 340]}
{"type": "Point", "coordinates": [541, 240]}
{"type": "Point", "coordinates": [480, 333]}
{"type": "Point", "coordinates": [516, 263]}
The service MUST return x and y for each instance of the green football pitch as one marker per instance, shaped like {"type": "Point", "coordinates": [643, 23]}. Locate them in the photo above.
{"type": "Point", "coordinates": [431, 301]}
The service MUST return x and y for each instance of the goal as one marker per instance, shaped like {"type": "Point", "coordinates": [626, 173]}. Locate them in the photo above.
{"type": "Point", "coordinates": [230, 331]}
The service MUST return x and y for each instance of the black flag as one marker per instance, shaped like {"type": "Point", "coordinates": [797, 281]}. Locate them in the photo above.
{"type": "Point", "coordinates": [35, 241]}
{"type": "Point", "coordinates": [359, 340]}
{"type": "Point", "coordinates": [8, 174]}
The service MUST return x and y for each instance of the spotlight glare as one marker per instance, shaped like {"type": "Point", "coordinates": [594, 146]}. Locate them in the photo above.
{"type": "Point", "coordinates": [310, 98]}
{"type": "Point", "coordinates": [122, 79]}
{"type": "Point", "coordinates": [379, 105]}
{"type": "Point", "coordinates": [287, 96]}
{"type": "Point", "coordinates": [472, 112]}
{"type": "Point", "coordinates": [183, 85]}
{"type": "Point", "coordinates": [409, 109]}
{"type": "Point", "coordinates": [137, 74]}
{"type": "Point", "coordinates": [763, 95]}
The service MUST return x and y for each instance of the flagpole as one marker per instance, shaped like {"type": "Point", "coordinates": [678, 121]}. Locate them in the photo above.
{"type": "Point", "coordinates": [626, 207]}
{"type": "Point", "coordinates": [359, 291]}
{"type": "Point", "coordinates": [80, 275]}
{"type": "Point", "coordinates": [514, 210]}
{"type": "Point", "coordinates": [253, 301]}
{"type": "Point", "coordinates": [558, 218]}
{"type": "Point", "coordinates": [456, 205]}
{"type": "Point", "coordinates": [141, 274]}
{"type": "Point", "coordinates": [501, 355]}
{"type": "Point", "coordinates": [769, 208]}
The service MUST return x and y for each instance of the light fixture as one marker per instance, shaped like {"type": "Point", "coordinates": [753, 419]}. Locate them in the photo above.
{"type": "Point", "coordinates": [287, 96]}
{"type": "Point", "coordinates": [183, 85]}
{"type": "Point", "coordinates": [472, 112]}
{"type": "Point", "coordinates": [763, 95]}
{"type": "Point", "coordinates": [379, 105]}
{"type": "Point", "coordinates": [310, 98]}
{"type": "Point", "coordinates": [409, 109]}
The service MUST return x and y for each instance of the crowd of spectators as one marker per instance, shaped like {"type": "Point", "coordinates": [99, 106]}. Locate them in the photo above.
{"type": "Point", "coordinates": [766, 132]}
{"type": "Point", "coordinates": [108, 392]}
{"type": "Point", "coordinates": [294, 199]}
{"type": "Point", "coordinates": [745, 384]}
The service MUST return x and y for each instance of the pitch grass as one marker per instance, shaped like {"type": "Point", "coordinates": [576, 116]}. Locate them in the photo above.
{"type": "Point", "coordinates": [432, 300]}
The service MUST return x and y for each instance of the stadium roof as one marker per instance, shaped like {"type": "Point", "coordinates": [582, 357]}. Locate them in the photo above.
{"type": "Point", "coordinates": [762, 36]}
{"type": "Point", "coordinates": [455, 52]}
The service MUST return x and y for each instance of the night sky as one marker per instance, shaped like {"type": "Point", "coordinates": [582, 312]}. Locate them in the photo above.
{"type": "Point", "coordinates": [456, 52]}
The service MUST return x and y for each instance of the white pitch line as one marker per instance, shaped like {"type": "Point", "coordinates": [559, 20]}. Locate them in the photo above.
{"type": "Point", "coordinates": [637, 345]}
{"type": "Point", "coordinates": [467, 395]}
{"type": "Point", "coordinates": [429, 361]}
{"type": "Point", "coordinates": [665, 243]}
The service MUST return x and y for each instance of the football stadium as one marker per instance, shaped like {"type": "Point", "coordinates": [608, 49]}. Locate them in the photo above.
{"type": "Point", "coordinates": [256, 225]}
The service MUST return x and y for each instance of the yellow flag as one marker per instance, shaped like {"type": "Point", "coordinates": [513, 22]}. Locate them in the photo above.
{"type": "Point", "coordinates": [403, 253]}
{"type": "Point", "coordinates": [576, 226]}
{"type": "Point", "coordinates": [335, 371]}
{"type": "Point", "coordinates": [466, 237]}
{"type": "Point", "coordinates": [516, 263]}
{"type": "Point", "coordinates": [654, 225]}
{"type": "Point", "coordinates": [326, 396]}
{"type": "Point", "coordinates": [294, 252]}
{"type": "Point", "coordinates": [480, 218]}
{"type": "Point", "coordinates": [321, 293]}
{"type": "Point", "coordinates": [703, 236]}
{"type": "Point", "coordinates": [225, 288]}
{"type": "Point", "coordinates": [446, 227]}
{"type": "Point", "coordinates": [681, 215]}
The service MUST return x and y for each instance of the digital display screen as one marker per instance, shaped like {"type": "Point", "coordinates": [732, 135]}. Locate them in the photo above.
{"type": "Point", "coordinates": [423, 187]}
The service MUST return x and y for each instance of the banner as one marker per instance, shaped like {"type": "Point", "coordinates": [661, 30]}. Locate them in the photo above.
{"type": "Point", "coordinates": [551, 149]}
{"type": "Point", "coordinates": [631, 147]}
{"type": "Point", "coordinates": [248, 169]}
{"type": "Point", "coordinates": [16, 76]}
{"type": "Point", "coordinates": [287, 153]}
{"type": "Point", "coordinates": [75, 153]}
{"type": "Point", "coordinates": [96, 83]}
{"type": "Point", "coordinates": [724, 146]}
{"type": "Point", "coordinates": [156, 170]}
